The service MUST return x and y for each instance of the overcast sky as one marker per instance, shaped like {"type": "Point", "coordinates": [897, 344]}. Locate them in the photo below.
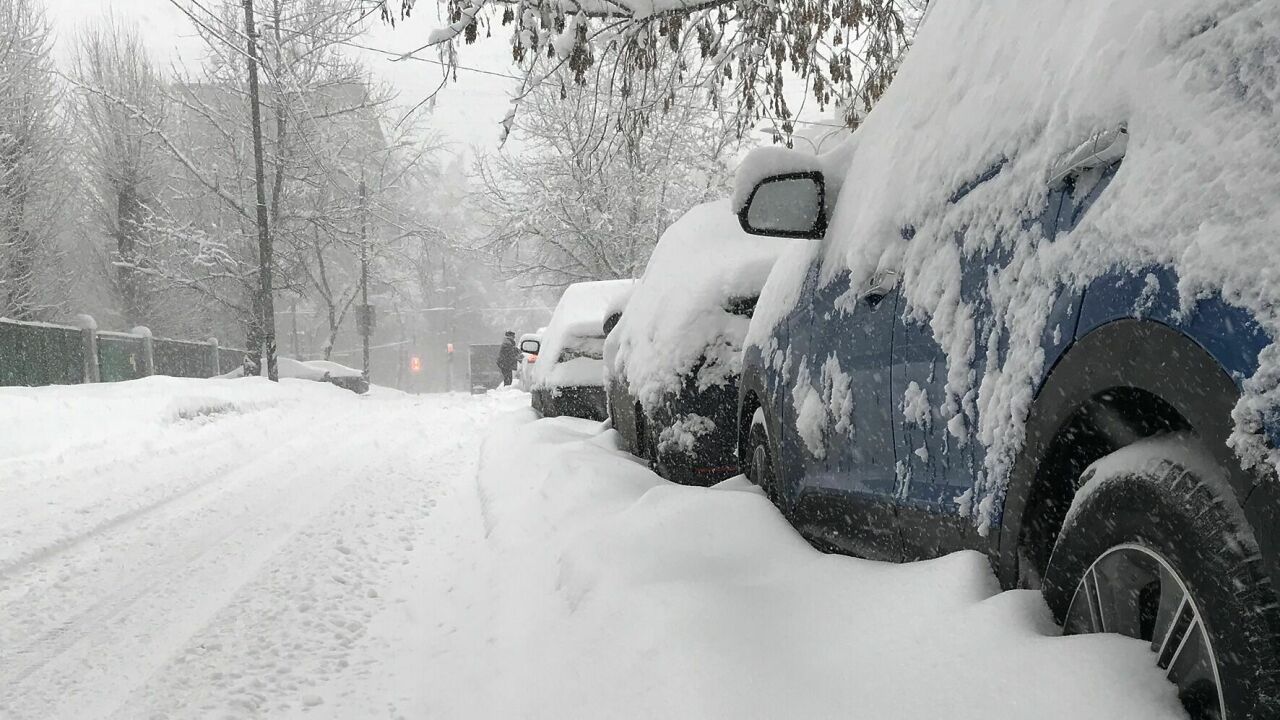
{"type": "Point", "coordinates": [467, 113]}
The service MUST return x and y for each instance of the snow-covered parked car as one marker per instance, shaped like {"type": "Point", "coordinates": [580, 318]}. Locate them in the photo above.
{"type": "Point", "coordinates": [673, 360]}
{"type": "Point", "coordinates": [1039, 321]}
{"type": "Point", "coordinates": [318, 371]}
{"type": "Point", "coordinates": [568, 378]}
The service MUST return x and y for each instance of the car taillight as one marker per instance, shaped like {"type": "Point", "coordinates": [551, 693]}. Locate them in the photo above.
{"type": "Point", "coordinates": [533, 359]}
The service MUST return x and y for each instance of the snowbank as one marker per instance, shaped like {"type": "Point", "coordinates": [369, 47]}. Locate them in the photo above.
{"type": "Point", "coordinates": [678, 313]}
{"type": "Point", "coordinates": [1196, 84]}
{"type": "Point", "coordinates": [48, 420]}
{"type": "Point", "coordinates": [578, 320]}
{"type": "Point", "coordinates": [612, 593]}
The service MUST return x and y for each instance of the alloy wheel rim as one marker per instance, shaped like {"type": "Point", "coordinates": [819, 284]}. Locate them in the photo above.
{"type": "Point", "coordinates": [758, 458]}
{"type": "Point", "coordinates": [1134, 591]}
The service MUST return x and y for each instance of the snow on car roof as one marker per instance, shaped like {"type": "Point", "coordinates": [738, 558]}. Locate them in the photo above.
{"type": "Point", "coordinates": [581, 310]}
{"type": "Point", "coordinates": [579, 314]}
{"type": "Point", "coordinates": [677, 313]}
{"type": "Point", "coordinates": [1021, 85]}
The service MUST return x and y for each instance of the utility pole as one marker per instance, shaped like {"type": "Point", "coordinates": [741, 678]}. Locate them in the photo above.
{"type": "Point", "coordinates": [266, 305]}
{"type": "Point", "coordinates": [296, 354]}
{"type": "Point", "coordinates": [367, 330]}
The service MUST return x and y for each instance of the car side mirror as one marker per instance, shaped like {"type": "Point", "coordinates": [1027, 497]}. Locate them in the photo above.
{"type": "Point", "coordinates": [530, 346]}
{"type": "Point", "coordinates": [790, 205]}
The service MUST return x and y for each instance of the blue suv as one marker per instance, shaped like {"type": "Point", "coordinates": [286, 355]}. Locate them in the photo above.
{"type": "Point", "coordinates": [1100, 454]}
{"type": "Point", "coordinates": [1134, 405]}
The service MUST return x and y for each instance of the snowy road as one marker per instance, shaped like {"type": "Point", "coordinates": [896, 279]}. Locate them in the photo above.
{"type": "Point", "coordinates": [234, 549]}
{"type": "Point", "coordinates": [168, 553]}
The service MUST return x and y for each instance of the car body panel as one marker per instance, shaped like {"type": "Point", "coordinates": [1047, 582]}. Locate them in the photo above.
{"type": "Point", "coordinates": [846, 372]}
{"type": "Point", "coordinates": [833, 499]}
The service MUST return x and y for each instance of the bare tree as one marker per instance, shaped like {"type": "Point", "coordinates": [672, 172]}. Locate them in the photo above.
{"type": "Point", "coordinates": [596, 183]}
{"type": "Point", "coordinates": [31, 173]}
{"type": "Point", "coordinates": [124, 161]}
{"type": "Point", "coordinates": [317, 106]}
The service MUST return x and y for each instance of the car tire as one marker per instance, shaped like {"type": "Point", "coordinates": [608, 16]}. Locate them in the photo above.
{"type": "Point", "coordinates": [758, 459]}
{"type": "Point", "coordinates": [1154, 551]}
{"type": "Point", "coordinates": [652, 452]}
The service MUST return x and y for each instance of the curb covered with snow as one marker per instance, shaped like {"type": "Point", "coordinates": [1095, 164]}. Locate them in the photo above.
{"type": "Point", "coordinates": [617, 594]}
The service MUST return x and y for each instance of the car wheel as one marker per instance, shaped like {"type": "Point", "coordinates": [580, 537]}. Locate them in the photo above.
{"type": "Point", "coordinates": [1156, 552]}
{"type": "Point", "coordinates": [652, 451]}
{"type": "Point", "coordinates": [759, 457]}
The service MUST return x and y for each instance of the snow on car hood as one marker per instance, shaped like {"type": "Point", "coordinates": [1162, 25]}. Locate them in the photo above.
{"type": "Point", "coordinates": [1198, 86]}
{"type": "Point", "coordinates": [578, 317]}
{"type": "Point", "coordinates": [677, 314]}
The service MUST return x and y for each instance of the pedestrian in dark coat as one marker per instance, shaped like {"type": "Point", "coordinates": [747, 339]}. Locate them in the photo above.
{"type": "Point", "coordinates": [508, 357]}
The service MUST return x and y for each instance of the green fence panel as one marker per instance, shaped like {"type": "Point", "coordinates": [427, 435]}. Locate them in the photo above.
{"type": "Point", "coordinates": [34, 354]}
{"type": "Point", "coordinates": [229, 359]}
{"type": "Point", "coordinates": [120, 357]}
{"type": "Point", "coordinates": [180, 358]}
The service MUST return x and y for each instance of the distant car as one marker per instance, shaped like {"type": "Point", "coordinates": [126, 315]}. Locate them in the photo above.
{"type": "Point", "coordinates": [568, 378]}
{"type": "Point", "coordinates": [317, 370]}
{"type": "Point", "coordinates": [526, 367]}
{"type": "Point", "coordinates": [673, 361]}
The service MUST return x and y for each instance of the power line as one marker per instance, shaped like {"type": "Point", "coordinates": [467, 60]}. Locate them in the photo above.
{"type": "Point", "coordinates": [398, 56]}
{"type": "Point", "coordinates": [509, 76]}
{"type": "Point", "coordinates": [280, 82]}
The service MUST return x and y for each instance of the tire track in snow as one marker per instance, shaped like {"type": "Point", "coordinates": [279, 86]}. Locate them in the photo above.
{"type": "Point", "coordinates": [205, 562]}
{"type": "Point", "coordinates": [169, 562]}
{"type": "Point", "coordinates": [70, 542]}
{"type": "Point", "coordinates": [327, 626]}
{"type": "Point", "coordinates": [117, 473]}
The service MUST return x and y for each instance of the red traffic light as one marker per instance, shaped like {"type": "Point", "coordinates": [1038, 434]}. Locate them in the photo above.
{"type": "Point", "coordinates": [415, 364]}
{"type": "Point", "coordinates": [451, 348]}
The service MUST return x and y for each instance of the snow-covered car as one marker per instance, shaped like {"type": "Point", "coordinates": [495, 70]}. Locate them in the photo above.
{"type": "Point", "coordinates": [672, 362]}
{"type": "Point", "coordinates": [1039, 321]}
{"type": "Point", "coordinates": [529, 359]}
{"type": "Point", "coordinates": [318, 371]}
{"type": "Point", "coordinates": [568, 378]}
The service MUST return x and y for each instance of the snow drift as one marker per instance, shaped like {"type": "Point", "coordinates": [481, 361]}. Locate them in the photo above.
{"type": "Point", "coordinates": [612, 593]}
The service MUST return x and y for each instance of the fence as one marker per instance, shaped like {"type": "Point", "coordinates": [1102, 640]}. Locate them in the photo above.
{"type": "Point", "coordinates": [45, 354]}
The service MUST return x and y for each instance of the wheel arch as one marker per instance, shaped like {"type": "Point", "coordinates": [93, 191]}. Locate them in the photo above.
{"type": "Point", "coordinates": [748, 403]}
{"type": "Point", "coordinates": [1123, 381]}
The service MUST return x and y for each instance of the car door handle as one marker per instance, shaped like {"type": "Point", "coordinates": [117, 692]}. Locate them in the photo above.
{"type": "Point", "coordinates": [879, 287]}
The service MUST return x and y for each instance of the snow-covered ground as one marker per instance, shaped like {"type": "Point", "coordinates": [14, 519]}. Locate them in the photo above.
{"type": "Point", "coordinates": [231, 548]}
